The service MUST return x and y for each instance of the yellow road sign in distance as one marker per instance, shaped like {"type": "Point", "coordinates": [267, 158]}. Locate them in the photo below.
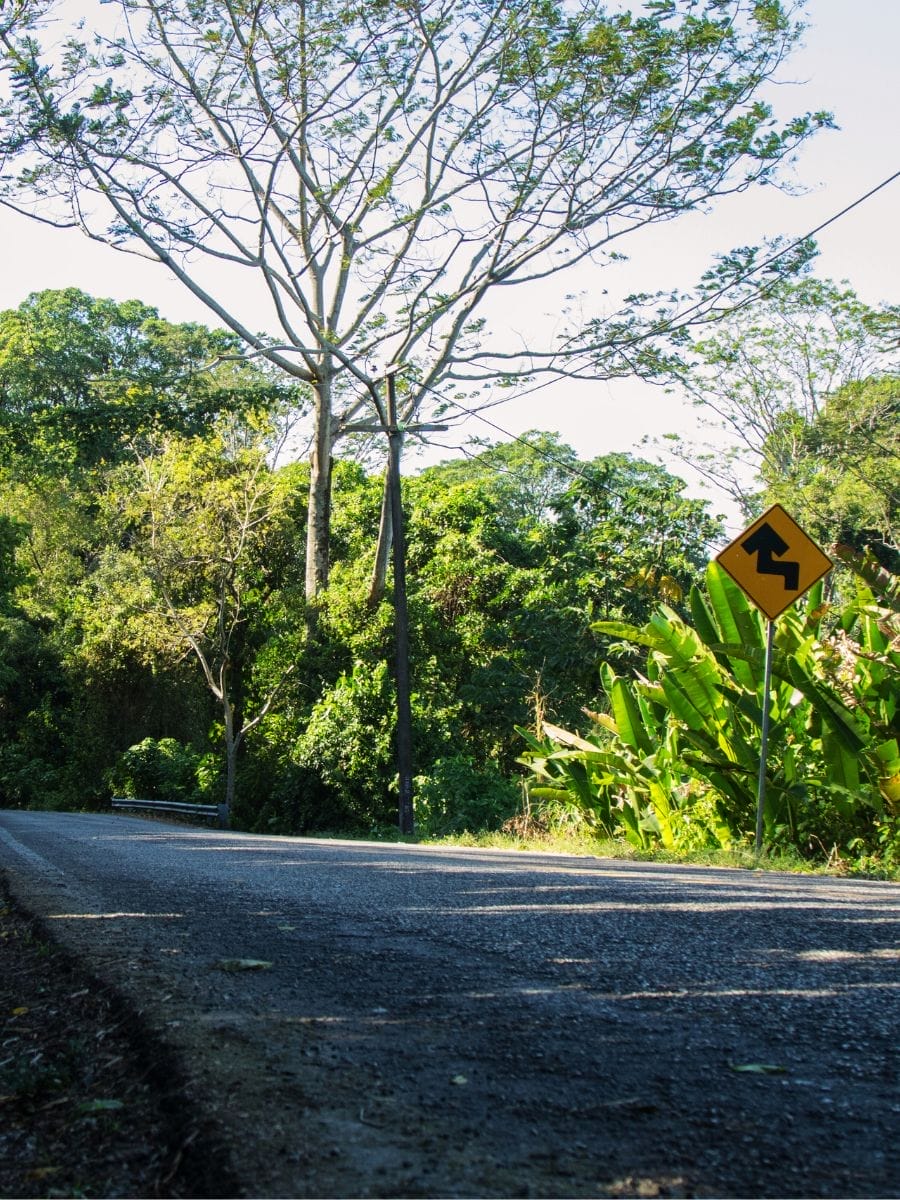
{"type": "Point", "coordinates": [774, 561]}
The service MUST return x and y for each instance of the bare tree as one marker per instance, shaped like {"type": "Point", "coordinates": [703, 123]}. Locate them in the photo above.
{"type": "Point", "coordinates": [382, 168]}
{"type": "Point", "coordinates": [776, 371]}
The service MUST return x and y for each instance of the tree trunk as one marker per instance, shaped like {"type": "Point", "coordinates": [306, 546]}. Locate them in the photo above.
{"type": "Point", "coordinates": [231, 749]}
{"type": "Point", "coordinates": [319, 516]}
{"type": "Point", "coordinates": [383, 547]}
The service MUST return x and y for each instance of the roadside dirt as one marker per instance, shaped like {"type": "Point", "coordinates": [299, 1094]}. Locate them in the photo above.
{"type": "Point", "coordinates": [91, 1104]}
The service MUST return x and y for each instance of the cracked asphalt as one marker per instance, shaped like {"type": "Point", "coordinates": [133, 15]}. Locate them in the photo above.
{"type": "Point", "coordinates": [378, 1020]}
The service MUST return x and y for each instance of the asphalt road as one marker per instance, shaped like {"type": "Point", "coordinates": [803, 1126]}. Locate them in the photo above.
{"type": "Point", "coordinates": [474, 1023]}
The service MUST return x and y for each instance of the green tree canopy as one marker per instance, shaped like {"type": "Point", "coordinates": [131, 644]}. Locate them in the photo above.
{"type": "Point", "coordinates": [10, 572]}
{"type": "Point", "coordinates": [378, 171]}
{"type": "Point", "coordinates": [196, 564]}
{"type": "Point", "coordinates": [525, 477]}
{"type": "Point", "coordinates": [843, 480]}
{"type": "Point", "coordinates": [87, 387]}
{"type": "Point", "coordinates": [81, 377]}
{"type": "Point", "coordinates": [636, 538]}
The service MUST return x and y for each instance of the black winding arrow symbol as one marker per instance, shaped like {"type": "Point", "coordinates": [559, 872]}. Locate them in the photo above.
{"type": "Point", "coordinates": [765, 543]}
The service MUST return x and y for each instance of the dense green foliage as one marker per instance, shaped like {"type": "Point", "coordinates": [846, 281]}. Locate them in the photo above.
{"type": "Point", "coordinates": [182, 612]}
{"type": "Point", "coordinates": [81, 378]}
{"type": "Point", "coordinates": [154, 635]}
{"type": "Point", "coordinates": [842, 478]}
{"type": "Point", "coordinates": [154, 638]}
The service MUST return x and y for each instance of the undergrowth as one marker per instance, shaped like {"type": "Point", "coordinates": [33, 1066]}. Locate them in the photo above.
{"type": "Point", "coordinates": [741, 858]}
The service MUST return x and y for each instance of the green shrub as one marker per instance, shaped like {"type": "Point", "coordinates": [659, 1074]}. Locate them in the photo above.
{"type": "Point", "coordinates": [348, 745]}
{"type": "Point", "coordinates": [458, 796]}
{"type": "Point", "coordinates": [26, 780]}
{"type": "Point", "coordinates": [294, 801]}
{"type": "Point", "coordinates": [157, 770]}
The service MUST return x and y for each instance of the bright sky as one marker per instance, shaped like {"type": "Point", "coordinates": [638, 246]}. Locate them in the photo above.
{"type": "Point", "coordinates": [848, 66]}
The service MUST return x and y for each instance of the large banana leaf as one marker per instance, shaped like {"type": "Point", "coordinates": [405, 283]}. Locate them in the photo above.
{"type": "Point", "coordinates": [738, 624]}
{"type": "Point", "coordinates": [630, 721]}
{"type": "Point", "coordinates": [843, 764]}
{"type": "Point", "coordinates": [887, 756]}
{"type": "Point", "coordinates": [702, 617]}
{"type": "Point", "coordinates": [694, 694]}
{"type": "Point", "coordinates": [830, 708]}
{"type": "Point", "coordinates": [734, 753]}
{"type": "Point", "coordinates": [640, 635]}
{"type": "Point", "coordinates": [565, 738]}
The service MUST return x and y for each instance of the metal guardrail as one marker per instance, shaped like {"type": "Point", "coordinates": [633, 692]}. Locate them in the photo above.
{"type": "Point", "coordinates": [173, 806]}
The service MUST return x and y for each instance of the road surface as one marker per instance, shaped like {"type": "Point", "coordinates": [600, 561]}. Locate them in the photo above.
{"type": "Point", "coordinates": [472, 1023]}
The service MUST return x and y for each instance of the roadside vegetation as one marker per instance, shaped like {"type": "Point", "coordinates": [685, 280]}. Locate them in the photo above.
{"type": "Point", "coordinates": [195, 601]}
{"type": "Point", "coordinates": [580, 670]}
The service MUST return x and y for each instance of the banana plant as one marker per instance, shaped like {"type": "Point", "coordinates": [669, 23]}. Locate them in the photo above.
{"type": "Point", "coordinates": [681, 741]}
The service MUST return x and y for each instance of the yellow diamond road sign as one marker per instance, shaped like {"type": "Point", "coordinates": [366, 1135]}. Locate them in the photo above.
{"type": "Point", "coordinates": [774, 561]}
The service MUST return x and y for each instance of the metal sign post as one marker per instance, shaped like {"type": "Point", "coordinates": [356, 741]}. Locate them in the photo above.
{"type": "Point", "coordinates": [774, 563]}
{"type": "Point", "coordinates": [764, 740]}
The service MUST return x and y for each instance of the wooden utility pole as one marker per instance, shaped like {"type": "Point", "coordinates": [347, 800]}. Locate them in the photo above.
{"type": "Point", "coordinates": [394, 502]}
{"type": "Point", "coordinates": [401, 614]}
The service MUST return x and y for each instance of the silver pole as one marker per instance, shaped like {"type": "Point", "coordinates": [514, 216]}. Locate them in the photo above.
{"type": "Point", "coordinates": [764, 743]}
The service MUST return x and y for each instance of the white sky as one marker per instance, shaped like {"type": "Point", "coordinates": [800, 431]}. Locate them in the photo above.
{"type": "Point", "coordinates": [848, 66]}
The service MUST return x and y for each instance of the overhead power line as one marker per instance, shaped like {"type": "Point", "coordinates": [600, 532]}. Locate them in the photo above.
{"type": "Point", "coordinates": [567, 467]}
{"type": "Point", "coordinates": [794, 244]}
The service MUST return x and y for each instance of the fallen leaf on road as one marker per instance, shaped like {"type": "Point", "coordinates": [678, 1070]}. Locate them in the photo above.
{"type": "Point", "coordinates": [758, 1068]}
{"type": "Point", "coordinates": [243, 964]}
{"type": "Point", "coordinates": [93, 1106]}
